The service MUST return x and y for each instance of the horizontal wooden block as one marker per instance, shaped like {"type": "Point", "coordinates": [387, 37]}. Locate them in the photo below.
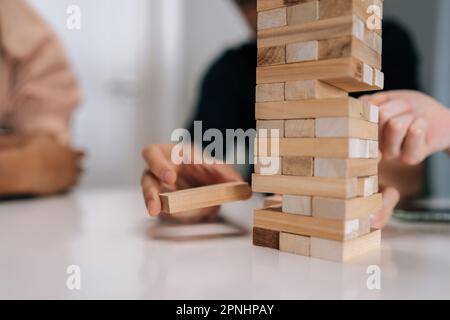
{"type": "Point", "coordinates": [348, 46]}
{"type": "Point", "coordinates": [349, 74]}
{"type": "Point", "coordinates": [302, 51]}
{"type": "Point", "coordinates": [263, 5]}
{"type": "Point", "coordinates": [346, 209]}
{"type": "Point", "coordinates": [266, 238]}
{"type": "Point", "coordinates": [343, 168]}
{"type": "Point", "coordinates": [345, 251]}
{"type": "Point", "coordinates": [311, 89]}
{"type": "Point", "coordinates": [303, 12]}
{"type": "Point", "coordinates": [270, 92]}
{"type": "Point", "coordinates": [373, 40]}
{"type": "Point", "coordinates": [298, 166]}
{"type": "Point", "coordinates": [318, 147]}
{"type": "Point", "coordinates": [367, 186]}
{"type": "Point", "coordinates": [204, 197]}
{"type": "Point", "coordinates": [275, 128]}
{"type": "Point", "coordinates": [302, 128]}
{"type": "Point", "coordinates": [346, 128]}
{"type": "Point", "coordinates": [312, 31]}
{"type": "Point", "coordinates": [297, 205]}
{"type": "Point", "coordinates": [295, 244]}
{"type": "Point", "coordinates": [273, 219]}
{"type": "Point", "coordinates": [306, 186]}
{"type": "Point", "coordinates": [268, 165]}
{"type": "Point", "coordinates": [271, 56]}
{"type": "Point", "coordinates": [272, 18]}
{"type": "Point", "coordinates": [321, 108]}
{"type": "Point", "coordinates": [275, 200]}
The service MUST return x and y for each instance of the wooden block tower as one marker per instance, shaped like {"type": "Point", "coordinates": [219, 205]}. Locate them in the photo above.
{"type": "Point", "coordinates": [311, 55]}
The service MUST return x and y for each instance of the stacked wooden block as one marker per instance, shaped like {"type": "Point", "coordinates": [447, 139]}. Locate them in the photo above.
{"type": "Point", "coordinates": [311, 54]}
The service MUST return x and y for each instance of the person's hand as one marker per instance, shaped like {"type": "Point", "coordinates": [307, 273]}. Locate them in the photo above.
{"type": "Point", "coordinates": [412, 125]}
{"type": "Point", "coordinates": [162, 175]}
{"type": "Point", "coordinates": [391, 198]}
{"type": "Point", "coordinates": [37, 165]}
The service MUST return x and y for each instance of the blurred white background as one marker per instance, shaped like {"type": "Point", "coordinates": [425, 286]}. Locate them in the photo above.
{"type": "Point", "coordinates": [140, 61]}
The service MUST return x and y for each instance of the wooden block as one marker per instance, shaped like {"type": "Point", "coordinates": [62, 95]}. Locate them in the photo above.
{"type": "Point", "coordinates": [371, 113]}
{"type": "Point", "coordinates": [306, 186]}
{"type": "Point", "coordinates": [348, 46]}
{"type": "Point", "coordinates": [378, 78]}
{"type": "Point", "coordinates": [263, 5]}
{"type": "Point", "coordinates": [312, 31]}
{"type": "Point", "coordinates": [343, 168]}
{"type": "Point", "coordinates": [373, 40]}
{"type": "Point", "coordinates": [349, 74]}
{"type": "Point", "coordinates": [302, 13]}
{"type": "Point", "coordinates": [297, 205]}
{"type": "Point", "coordinates": [271, 56]}
{"type": "Point", "coordinates": [273, 219]}
{"type": "Point", "coordinates": [270, 92]}
{"type": "Point", "coordinates": [275, 200]}
{"type": "Point", "coordinates": [298, 166]}
{"type": "Point", "coordinates": [345, 251]}
{"type": "Point", "coordinates": [346, 128]}
{"type": "Point", "coordinates": [318, 147]}
{"type": "Point", "coordinates": [268, 165]}
{"type": "Point", "coordinates": [266, 238]}
{"type": "Point", "coordinates": [303, 128]}
{"type": "Point", "coordinates": [367, 186]}
{"type": "Point", "coordinates": [302, 51]}
{"type": "Point", "coordinates": [272, 18]}
{"type": "Point", "coordinates": [328, 208]}
{"type": "Point", "coordinates": [291, 243]}
{"type": "Point", "coordinates": [275, 128]}
{"type": "Point", "coordinates": [204, 197]}
{"type": "Point", "coordinates": [321, 108]}
{"type": "Point", "coordinates": [311, 89]}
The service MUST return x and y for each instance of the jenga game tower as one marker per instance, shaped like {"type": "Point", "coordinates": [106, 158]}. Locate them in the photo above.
{"type": "Point", "coordinates": [311, 55]}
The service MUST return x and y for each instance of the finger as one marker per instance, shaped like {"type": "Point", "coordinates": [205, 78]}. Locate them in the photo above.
{"type": "Point", "coordinates": [391, 198]}
{"type": "Point", "coordinates": [392, 109]}
{"type": "Point", "coordinates": [150, 190]}
{"type": "Point", "coordinates": [415, 149]}
{"type": "Point", "coordinates": [159, 164]}
{"type": "Point", "coordinates": [393, 136]}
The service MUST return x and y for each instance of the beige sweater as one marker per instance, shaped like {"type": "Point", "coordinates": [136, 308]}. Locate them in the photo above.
{"type": "Point", "coordinates": [38, 90]}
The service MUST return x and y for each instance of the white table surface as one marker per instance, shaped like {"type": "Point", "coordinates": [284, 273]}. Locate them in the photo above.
{"type": "Point", "coordinates": [106, 233]}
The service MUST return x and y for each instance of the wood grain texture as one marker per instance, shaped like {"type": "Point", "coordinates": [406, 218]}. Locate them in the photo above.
{"type": "Point", "coordinates": [266, 238]}
{"type": "Point", "coordinates": [204, 197]}
{"type": "Point", "coordinates": [311, 89]}
{"type": "Point", "coordinates": [272, 4]}
{"type": "Point", "coordinates": [271, 92]}
{"type": "Point", "coordinates": [271, 56]}
{"type": "Point", "coordinates": [328, 208]}
{"type": "Point", "coordinates": [301, 205]}
{"type": "Point", "coordinates": [298, 166]}
{"type": "Point", "coordinates": [303, 12]}
{"type": "Point", "coordinates": [272, 18]}
{"type": "Point", "coordinates": [273, 219]}
{"type": "Point", "coordinates": [275, 128]}
{"type": "Point", "coordinates": [302, 51]}
{"type": "Point", "coordinates": [295, 244]}
{"type": "Point", "coordinates": [302, 128]}
{"type": "Point", "coordinates": [274, 200]}
{"type": "Point", "coordinates": [338, 251]}
{"type": "Point", "coordinates": [342, 168]}
{"type": "Point", "coordinates": [346, 128]}
{"type": "Point", "coordinates": [306, 186]}
{"type": "Point", "coordinates": [367, 186]}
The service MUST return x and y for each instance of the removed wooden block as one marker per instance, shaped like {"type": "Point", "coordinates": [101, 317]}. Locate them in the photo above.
{"type": "Point", "coordinates": [297, 205]}
{"type": "Point", "coordinates": [275, 200]}
{"type": "Point", "coordinates": [312, 31]}
{"type": "Point", "coordinates": [266, 238]}
{"type": "Point", "coordinates": [328, 208]}
{"type": "Point", "coordinates": [367, 186]}
{"type": "Point", "coordinates": [348, 74]}
{"type": "Point", "coordinates": [346, 128]}
{"type": "Point", "coordinates": [302, 51]}
{"type": "Point", "coordinates": [321, 108]}
{"type": "Point", "coordinates": [204, 197]}
{"type": "Point", "coordinates": [345, 251]}
{"type": "Point", "coordinates": [302, 13]}
{"type": "Point", "coordinates": [272, 18]}
{"type": "Point", "coordinates": [311, 89]}
{"type": "Point", "coordinates": [299, 128]}
{"type": "Point", "coordinates": [298, 166]}
{"type": "Point", "coordinates": [306, 186]}
{"type": "Point", "coordinates": [291, 243]}
{"type": "Point", "coordinates": [342, 168]}
{"type": "Point", "coordinates": [270, 92]}
{"type": "Point", "coordinates": [274, 128]}
{"type": "Point", "coordinates": [271, 56]}
{"type": "Point", "coordinates": [268, 165]}
{"type": "Point", "coordinates": [273, 219]}
{"type": "Point", "coordinates": [318, 147]}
